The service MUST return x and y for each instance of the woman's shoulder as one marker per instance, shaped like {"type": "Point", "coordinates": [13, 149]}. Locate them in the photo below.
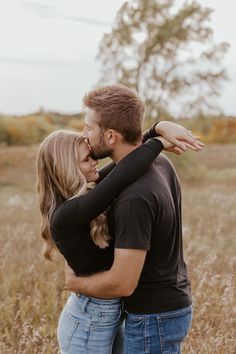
{"type": "Point", "coordinates": [64, 212]}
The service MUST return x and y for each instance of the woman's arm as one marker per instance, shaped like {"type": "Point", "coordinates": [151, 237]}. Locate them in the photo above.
{"type": "Point", "coordinates": [86, 207]}
{"type": "Point", "coordinates": [172, 132]}
{"type": "Point", "coordinates": [150, 133]}
{"type": "Point", "coordinates": [105, 170]}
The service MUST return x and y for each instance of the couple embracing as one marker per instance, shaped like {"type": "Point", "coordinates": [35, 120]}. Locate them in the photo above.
{"type": "Point", "coordinates": [119, 228]}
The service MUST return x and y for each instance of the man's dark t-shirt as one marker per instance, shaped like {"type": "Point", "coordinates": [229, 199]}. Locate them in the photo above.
{"type": "Point", "coordinates": [147, 216]}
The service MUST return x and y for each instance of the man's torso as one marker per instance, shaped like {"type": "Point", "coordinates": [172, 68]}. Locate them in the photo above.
{"type": "Point", "coordinates": [147, 215]}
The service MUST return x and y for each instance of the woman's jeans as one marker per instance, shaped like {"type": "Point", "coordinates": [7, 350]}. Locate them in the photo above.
{"type": "Point", "coordinates": [90, 325]}
{"type": "Point", "coordinates": [159, 333]}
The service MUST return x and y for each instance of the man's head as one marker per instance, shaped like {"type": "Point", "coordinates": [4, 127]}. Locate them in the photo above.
{"type": "Point", "coordinates": [112, 113]}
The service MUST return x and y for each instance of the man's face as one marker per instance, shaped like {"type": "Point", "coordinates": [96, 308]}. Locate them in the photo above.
{"type": "Point", "coordinates": [95, 135]}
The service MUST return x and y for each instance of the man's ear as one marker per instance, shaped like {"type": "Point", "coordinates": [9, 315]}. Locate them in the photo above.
{"type": "Point", "coordinates": [111, 136]}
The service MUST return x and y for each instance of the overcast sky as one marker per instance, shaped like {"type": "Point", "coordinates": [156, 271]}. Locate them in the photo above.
{"type": "Point", "coordinates": [48, 51]}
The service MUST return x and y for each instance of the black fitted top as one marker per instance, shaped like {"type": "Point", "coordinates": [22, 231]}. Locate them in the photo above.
{"type": "Point", "coordinates": [70, 221]}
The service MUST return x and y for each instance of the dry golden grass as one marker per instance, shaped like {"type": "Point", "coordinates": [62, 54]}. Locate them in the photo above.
{"type": "Point", "coordinates": [31, 294]}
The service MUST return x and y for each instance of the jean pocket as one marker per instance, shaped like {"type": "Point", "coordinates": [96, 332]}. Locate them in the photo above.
{"type": "Point", "coordinates": [66, 328]}
{"type": "Point", "coordinates": [134, 316]}
{"type": "Point", "coordinates": [134, 324]}
{"type": "Point", "coordinates": [106, 318]}
{"type": "Point", "coordinates": [173, 329]}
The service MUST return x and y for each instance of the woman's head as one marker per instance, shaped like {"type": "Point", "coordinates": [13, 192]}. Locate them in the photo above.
{"type": "Point", "coordinates": [64, 166]}
{"type": "Point", "coordinates": [64, 163]}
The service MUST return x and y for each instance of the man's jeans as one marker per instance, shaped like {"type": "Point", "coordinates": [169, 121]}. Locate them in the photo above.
{"type": "Point", "coordinates": [159, 333]}
{"type": "Point", "coordinates": [90, 326]}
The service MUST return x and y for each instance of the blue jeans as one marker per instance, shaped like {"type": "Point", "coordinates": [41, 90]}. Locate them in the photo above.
{"type": "Point", "coordinates": [159, 333]}
{"type": "Point", "coordinates": [90, 325]}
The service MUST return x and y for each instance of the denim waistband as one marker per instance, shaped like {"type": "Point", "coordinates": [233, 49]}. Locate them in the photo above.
{"type": "Point", "coordinates": [96, 300]}
{"type": "Point", "coordinates": [173, 313]}
{"type": "Point", "coordinates": [92, 304]}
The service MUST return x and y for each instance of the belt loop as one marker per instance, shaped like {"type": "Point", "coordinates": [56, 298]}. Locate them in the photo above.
{"type": "Point", "coordinates": [84, 305]}
{"type": "Point", "coordinates": [122, 306]}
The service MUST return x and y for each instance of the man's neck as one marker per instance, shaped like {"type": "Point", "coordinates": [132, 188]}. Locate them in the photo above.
{"type": "Point", "coordinates": [122, 150]}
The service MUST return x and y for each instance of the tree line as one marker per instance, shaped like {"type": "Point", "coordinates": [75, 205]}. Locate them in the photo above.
{"type": "Point", "coordinates": [31, 129]}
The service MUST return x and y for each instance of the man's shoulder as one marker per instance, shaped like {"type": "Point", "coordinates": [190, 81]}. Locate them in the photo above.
{"type": "Point", "coordinates": [164, 161]}
{"type": "Point", "coordinates": [152, 175]}
{"type": "Point", "coordinates": [142, 187]}
{"type": "Point", "coordinates": [152, 182]}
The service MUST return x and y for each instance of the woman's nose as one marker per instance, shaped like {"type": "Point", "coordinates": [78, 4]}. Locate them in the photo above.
{"type": "Point", "coordinates": [85, 134]}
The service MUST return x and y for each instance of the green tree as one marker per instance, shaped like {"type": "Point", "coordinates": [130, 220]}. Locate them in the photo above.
{"type": "Point", "coordinates": [167, 54]}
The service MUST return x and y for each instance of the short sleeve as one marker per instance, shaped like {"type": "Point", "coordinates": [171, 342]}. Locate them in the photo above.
{"type": "Point", "coordinates": [133, 224]}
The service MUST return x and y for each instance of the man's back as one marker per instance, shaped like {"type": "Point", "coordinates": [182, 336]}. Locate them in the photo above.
{"type": "Point", "coordinates": [147, 216]}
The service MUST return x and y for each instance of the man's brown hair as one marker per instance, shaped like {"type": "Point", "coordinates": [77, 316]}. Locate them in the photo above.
{"type": "Point", "coordinates": [118, 108]}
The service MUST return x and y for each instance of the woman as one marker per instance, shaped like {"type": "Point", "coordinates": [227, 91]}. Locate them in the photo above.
{"type": "Point", "coordinates": [73, 220]}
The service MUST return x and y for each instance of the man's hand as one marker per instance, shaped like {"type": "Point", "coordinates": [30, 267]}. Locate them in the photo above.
{"type": "Point", "coordinates": [170, 147]}
{"type": "Point", "coordinates": [180, 138]}
{"type": "Point", "coordinates": [70, 278]}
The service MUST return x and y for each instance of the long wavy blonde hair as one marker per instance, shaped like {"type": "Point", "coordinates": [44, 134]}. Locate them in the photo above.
{"type": "Point", "coordinates": [59, 178]}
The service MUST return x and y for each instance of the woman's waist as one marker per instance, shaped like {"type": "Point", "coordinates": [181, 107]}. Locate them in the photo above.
{"type": "Point", "coordinates": [97, 300]}
{"type": "Point", "coordinates": [94, 303]}
{"type": "Point", "coordinates": [94, 311]}
{"type": "Point", "coordinates": [88, 264]}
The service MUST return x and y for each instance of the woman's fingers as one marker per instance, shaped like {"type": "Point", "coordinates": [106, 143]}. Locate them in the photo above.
{"type": "Point", "coordinates": [193, 140]}
{"type": "Point", "coordinates": [183, 146]}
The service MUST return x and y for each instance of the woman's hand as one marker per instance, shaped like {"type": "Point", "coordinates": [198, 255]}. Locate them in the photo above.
{"type": "Point", "coordinates": [180, 138]}
{"type": "Point", "coordinates": [171, 147]}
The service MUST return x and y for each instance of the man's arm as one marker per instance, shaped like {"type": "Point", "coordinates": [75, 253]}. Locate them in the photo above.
{"type": "Point", "coordinates": [134, 219]}
{"type": "Point", "coordinates": [121, 280]}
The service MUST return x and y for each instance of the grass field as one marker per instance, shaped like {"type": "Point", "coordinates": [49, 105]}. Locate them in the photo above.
{"type": "Point", "coordinates": [32, 293]}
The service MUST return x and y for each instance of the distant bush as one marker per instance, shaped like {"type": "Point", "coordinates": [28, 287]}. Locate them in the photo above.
{"type": "Point", "coordinates": [31, 129]}
{"type": "Point", "coordinates": [76, 124]}
{"type": "Point", "coordinates": [222, 131]}
{"type": "Point", "coordinates": [23, 131]}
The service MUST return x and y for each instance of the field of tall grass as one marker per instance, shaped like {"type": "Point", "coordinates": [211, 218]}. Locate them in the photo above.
{"type": "Point", "coordinates": [32, 294]}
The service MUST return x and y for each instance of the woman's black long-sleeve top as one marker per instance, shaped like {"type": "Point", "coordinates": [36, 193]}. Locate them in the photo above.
{"type": "Point", "coordinates": [70, 221]}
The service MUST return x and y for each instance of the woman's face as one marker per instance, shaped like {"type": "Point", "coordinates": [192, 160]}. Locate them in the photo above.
{"type": "Point", "coordinates": [87, 164]}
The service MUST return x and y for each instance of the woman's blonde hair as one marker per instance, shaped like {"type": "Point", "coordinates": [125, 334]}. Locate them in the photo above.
{"type": "Point", "coordinates": [59, 178]}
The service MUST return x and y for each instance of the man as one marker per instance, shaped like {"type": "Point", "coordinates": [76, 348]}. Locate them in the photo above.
{"type": "Point", "coordinates": [145, 221]}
